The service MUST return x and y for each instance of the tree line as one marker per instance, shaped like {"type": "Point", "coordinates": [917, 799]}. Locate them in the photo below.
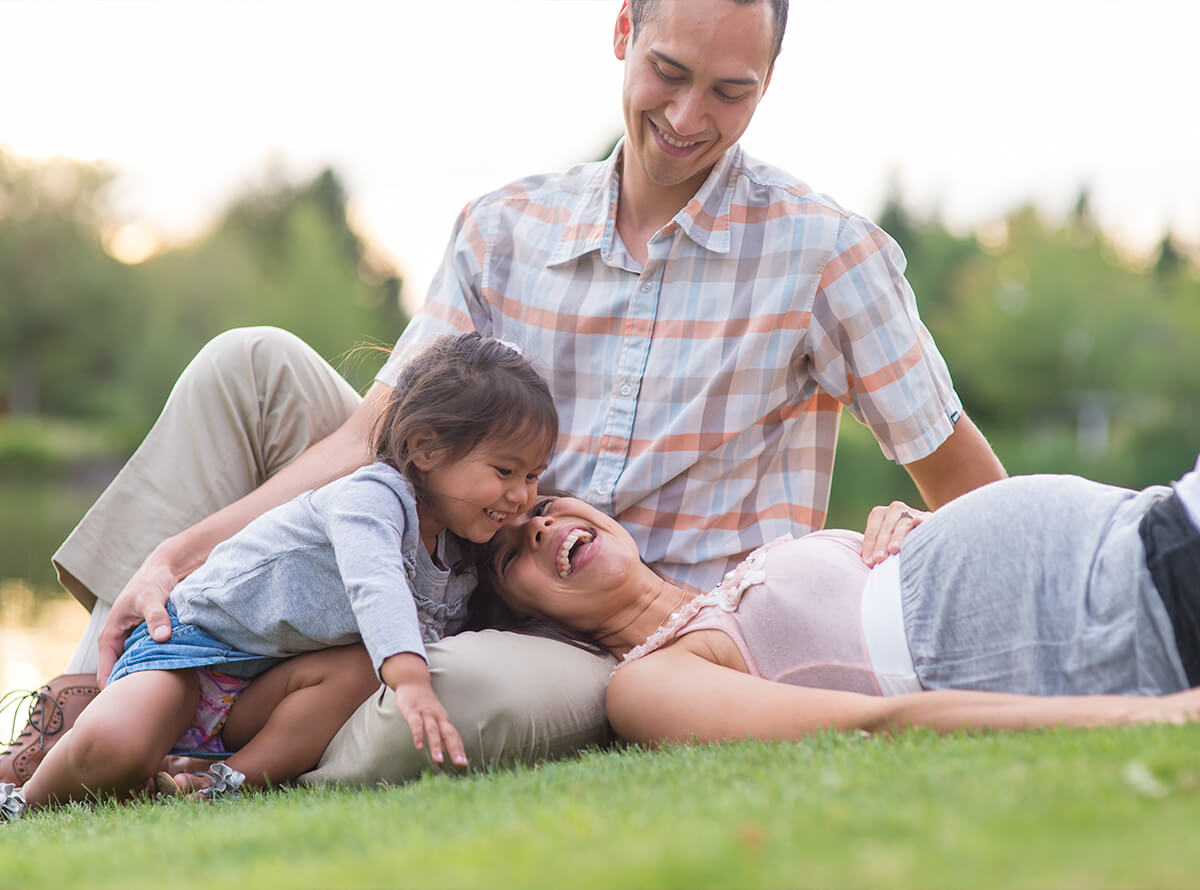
{"type": "Point", "coordinates": [1070, 356]}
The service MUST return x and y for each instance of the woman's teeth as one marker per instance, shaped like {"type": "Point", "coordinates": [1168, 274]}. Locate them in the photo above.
{"type": "Point", "coordinates": [575, 536]}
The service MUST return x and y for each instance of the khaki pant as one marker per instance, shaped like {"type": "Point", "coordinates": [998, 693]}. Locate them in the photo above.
{"type": "Point", "coordinates": [251, 401]}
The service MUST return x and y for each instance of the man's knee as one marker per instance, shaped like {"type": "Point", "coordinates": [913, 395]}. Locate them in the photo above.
{"type": "Point", "coordinates": [237, 346]}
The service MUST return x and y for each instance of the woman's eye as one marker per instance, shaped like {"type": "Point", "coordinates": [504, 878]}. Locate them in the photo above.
{"type": "Point", "coordinates": [507, 558]}
{"type": "Point", "coordinates": [540, 507]}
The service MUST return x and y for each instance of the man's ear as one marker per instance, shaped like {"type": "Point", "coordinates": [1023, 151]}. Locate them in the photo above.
{"type": "Point", "coordinates": [622, 31]}
{"type": "Point", "coordinates": [767, 82]}
{"type": "Point", "coordinates": [422, 448]}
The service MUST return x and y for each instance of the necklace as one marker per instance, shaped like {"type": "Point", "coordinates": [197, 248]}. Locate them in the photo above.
{"type": "Point", "coordinates": [678, 605]}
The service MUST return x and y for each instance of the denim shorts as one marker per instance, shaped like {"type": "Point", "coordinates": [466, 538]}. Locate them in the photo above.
{"type": "Point", "coordinates": [188, 647]}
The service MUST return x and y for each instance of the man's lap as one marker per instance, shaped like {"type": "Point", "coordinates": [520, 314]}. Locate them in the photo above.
{"type": "Point", "coordinates": [513, 698]}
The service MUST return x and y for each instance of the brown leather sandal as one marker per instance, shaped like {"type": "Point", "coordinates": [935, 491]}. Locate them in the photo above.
{"type": "Point", "coordinates": [53, 710]}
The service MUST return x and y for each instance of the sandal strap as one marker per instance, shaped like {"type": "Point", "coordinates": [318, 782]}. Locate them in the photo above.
{"type": "Point", "coordinates": [12, 804]}
{"type": "Point", "coordinates": [226, 781]}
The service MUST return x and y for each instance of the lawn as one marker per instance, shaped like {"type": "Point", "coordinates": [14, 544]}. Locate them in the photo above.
{"type": "Point", "coordinates": [1061, 809]}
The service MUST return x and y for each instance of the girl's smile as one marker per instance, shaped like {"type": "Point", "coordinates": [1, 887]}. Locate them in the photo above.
{"type": "Point", "coordinates": [476, 495]}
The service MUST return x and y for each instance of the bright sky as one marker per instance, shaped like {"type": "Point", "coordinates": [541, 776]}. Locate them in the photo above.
{"type": "Point", "coordinates": [975, 106]}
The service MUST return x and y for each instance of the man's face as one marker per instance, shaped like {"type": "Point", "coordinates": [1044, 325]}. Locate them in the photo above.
{"type": "Point", "coordinates": [694, 74]}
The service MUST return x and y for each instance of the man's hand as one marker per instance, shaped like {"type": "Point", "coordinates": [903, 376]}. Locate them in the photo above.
{"type": "Point", "coordinates": [408, 675]}
{"type": "Point", "coordinates": [144, 598]}
{"type": "Point", "coordinates": [886, 529]}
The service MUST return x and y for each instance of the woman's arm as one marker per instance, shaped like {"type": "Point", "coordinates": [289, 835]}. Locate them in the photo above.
{"type": "Point", "coordinates": [676, 694]}
{"type": "Point", "coordinates": [144, 597]}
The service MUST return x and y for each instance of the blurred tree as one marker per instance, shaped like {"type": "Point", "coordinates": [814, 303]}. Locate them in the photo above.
{"type": "Point", "coordinates": [83, 335]}
{"type": "Point", "coordinates": [1170, 258]}
{"type": "Point", "coordinates": [62, 299]}
{"type": "Point", "coordinates": [1069, 358]}
{"type": "Point", "coordinates": [283, 255]}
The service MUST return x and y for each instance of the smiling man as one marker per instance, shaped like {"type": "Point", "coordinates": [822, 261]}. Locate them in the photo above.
{"type": "Point", "coordinates": [702, 319]}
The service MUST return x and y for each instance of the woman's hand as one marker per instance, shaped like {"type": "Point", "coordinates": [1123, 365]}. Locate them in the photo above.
{"type": "Point", "coordinates": [886, 528]}
{"type": "Point", "coordinates": [408, 675]}
{"type": "Point", "coordinates": [144, 598]}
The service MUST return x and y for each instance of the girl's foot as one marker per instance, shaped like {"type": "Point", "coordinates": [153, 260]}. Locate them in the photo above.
{"type": "Point", "coordinates": [220, 780]}
{"type": "Point", "coordinates": [12, 804]}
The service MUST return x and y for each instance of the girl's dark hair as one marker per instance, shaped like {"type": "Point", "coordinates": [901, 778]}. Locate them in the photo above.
{"type": "Point", "coordinates": [462, 389]}
{"type": "Point", "coordinates": [488, 610]}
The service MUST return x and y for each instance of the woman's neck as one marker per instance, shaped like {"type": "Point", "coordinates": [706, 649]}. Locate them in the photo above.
{"type": "Point", "coordinates": [648, 612]}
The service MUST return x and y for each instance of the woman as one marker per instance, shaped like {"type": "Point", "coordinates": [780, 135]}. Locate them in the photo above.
{"type": "Point", "coordinates": [1033, 602]}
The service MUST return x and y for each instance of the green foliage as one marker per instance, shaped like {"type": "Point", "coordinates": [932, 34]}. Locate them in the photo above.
{"type": "Point", "coordinates": [1068, 356]}
{"type": "Point", "coordinates": [1111, 808]}
{"type": "Point", "coordinates": [83, 335]}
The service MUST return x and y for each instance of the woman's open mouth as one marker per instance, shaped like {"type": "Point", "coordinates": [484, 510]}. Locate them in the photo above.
{"type": "Point", "coordinates": [572, 546]}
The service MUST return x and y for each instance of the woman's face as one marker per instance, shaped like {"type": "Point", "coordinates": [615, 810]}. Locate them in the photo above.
{"type": "Point", "coordinates": [566, 561]}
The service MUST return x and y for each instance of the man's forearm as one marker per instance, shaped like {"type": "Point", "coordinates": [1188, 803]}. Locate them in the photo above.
{"type": "Point", "coordinates": [339, 453]}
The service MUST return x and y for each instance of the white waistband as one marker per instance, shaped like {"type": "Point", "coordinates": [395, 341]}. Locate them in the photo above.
{"type": "Point", "coordinates": [883, 629]}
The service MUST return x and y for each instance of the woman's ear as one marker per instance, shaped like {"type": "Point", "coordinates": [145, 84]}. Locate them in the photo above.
{"type": "Point", "coordinates": [422, 447]}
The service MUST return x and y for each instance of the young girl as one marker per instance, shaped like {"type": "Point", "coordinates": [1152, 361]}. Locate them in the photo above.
{"type": "Point", "coordinates": [376, 556]}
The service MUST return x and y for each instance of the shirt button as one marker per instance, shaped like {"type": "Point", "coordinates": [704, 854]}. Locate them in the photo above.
{"type": "Point", "coordinates": [647, 287]}
{"type": "Point", "coordinates": [601, 489]}
{"type": "Point", "coordinates": [626, 389]}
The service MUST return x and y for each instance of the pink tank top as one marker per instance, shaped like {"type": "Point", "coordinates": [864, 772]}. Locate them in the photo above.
{"type": "Point", "coordinates": [794, 610]}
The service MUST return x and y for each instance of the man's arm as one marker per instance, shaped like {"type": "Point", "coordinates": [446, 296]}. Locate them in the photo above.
{"type": "Point", "coordinates": [144, 598]}
{"type": "Point", "coordinates": [963, 462]}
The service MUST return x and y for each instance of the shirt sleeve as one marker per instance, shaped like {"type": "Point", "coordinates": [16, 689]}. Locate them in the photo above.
{"type": "Point", "coordinates": [868, 348]}
{"type": "Point", "coordinates": [455, 303]}
{"type": "Point", "coordinates": [366, 525]}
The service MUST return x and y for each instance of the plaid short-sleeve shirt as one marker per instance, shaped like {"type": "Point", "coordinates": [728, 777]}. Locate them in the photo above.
{"type": "Point", "coordinates": [699, 394]}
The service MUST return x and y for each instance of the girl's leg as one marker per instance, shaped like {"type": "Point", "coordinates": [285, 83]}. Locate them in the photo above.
{"type": "Point", "coordinates": [283, 721]}
{"type": "Point", "coordinates": [119, 740]}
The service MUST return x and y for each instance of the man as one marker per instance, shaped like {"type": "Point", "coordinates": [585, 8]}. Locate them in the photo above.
{"type": "Point", "coordinates": [702, 319]}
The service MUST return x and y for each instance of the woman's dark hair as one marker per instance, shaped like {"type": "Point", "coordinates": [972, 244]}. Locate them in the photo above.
{"type": "Point", "coordinates": [462, 389]}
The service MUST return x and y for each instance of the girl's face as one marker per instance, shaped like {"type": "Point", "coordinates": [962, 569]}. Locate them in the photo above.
{"type": "Point", "coordinates": [475, 495]}
{"type": "Point", "coordinates": [566, 561]}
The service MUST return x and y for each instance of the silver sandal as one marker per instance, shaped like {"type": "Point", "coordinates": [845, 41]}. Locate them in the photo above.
{"type": "Point", "coordinates": [225, 782]}
{"type": "Point", "coordinates": [12, 804]}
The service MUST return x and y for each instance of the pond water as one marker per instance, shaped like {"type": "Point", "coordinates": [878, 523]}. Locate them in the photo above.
{"type": "Point", "coordinates": [39, 624]}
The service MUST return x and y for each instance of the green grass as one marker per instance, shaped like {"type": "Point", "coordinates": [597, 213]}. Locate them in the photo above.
{"type": "Point", "coordinates": [1114, 808]}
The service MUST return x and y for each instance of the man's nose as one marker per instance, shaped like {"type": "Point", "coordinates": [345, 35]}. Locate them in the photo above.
{"type": "Point", "coordinates": [686, 113]}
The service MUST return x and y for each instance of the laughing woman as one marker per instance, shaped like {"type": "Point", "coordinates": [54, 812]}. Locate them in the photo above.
{"type": "Point", "coordinates": [1037, 601]}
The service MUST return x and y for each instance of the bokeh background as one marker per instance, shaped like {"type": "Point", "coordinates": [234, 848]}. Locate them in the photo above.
{"type": "Point", "coordinates": [169, 170]}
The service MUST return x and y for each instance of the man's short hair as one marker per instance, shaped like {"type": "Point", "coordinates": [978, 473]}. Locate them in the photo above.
{"type": "Point", "coordinates": [641, 11]}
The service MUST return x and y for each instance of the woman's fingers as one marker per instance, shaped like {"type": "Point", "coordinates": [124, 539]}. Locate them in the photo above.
{"type": "Point", "coordinates": [887, 526]}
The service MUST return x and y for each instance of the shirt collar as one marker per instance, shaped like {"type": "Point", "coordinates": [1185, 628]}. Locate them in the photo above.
{"type": "Point", "coordinates": [593, 223]}
{"type": "Point", "coordinates": [705, 219]}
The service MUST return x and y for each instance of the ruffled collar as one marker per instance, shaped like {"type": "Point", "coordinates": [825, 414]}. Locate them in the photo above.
{"type": "Point", "coordinates": [725, 596]}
